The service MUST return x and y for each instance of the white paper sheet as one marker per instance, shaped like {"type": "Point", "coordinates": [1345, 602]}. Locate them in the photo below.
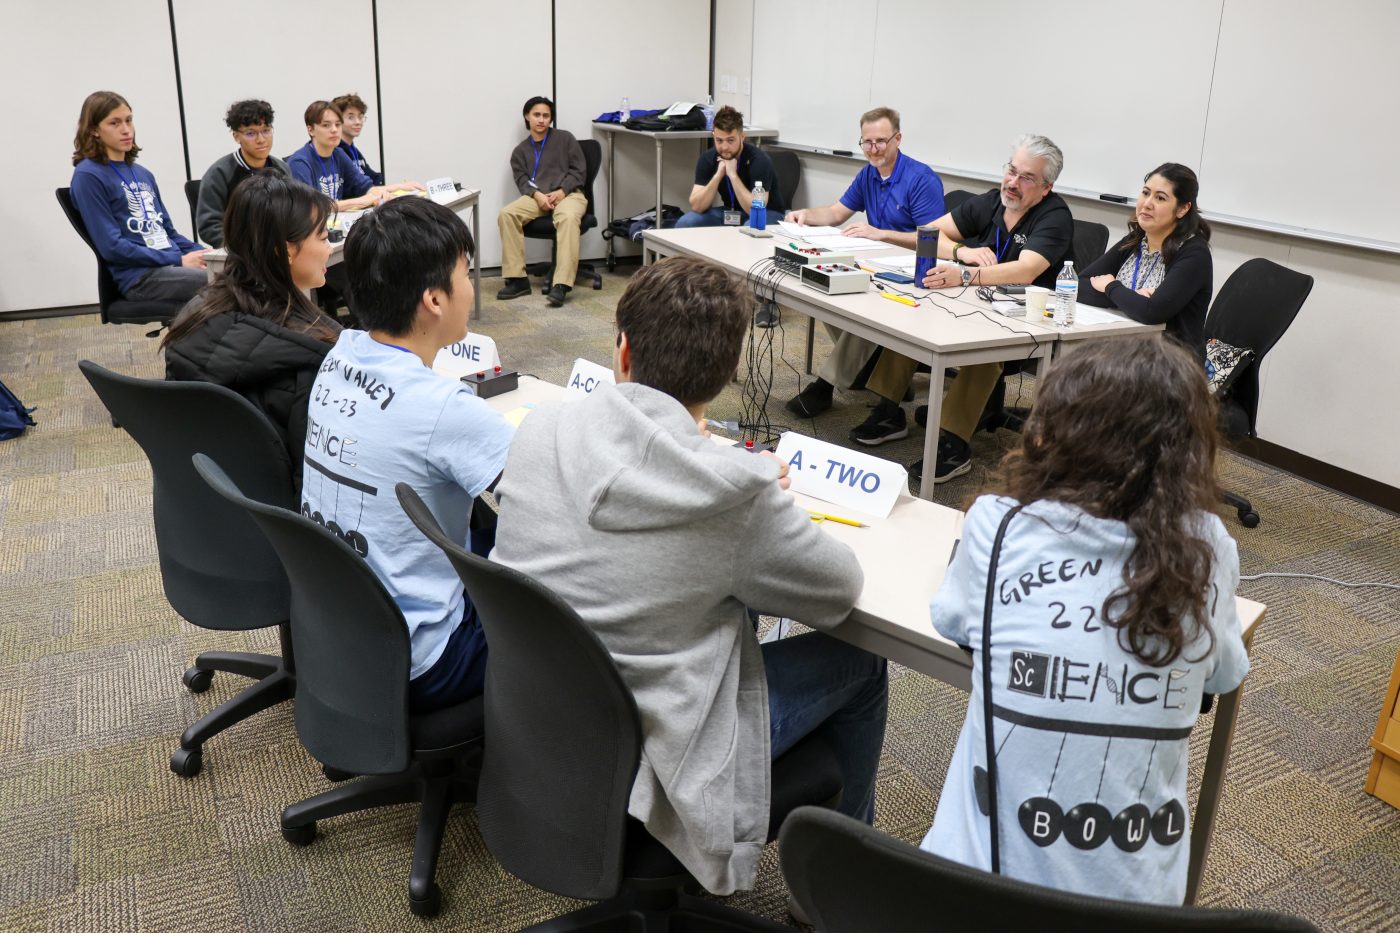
{"type": "Point", "coordinates": [802, 232]}
{"type": "Point", "coordinates": [839, 241]}
{"type": "Point", "coordinates": [1087, 314]}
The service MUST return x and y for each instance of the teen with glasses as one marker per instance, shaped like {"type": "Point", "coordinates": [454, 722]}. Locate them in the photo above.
{"type": "Point", "coordinates": [250, 123]}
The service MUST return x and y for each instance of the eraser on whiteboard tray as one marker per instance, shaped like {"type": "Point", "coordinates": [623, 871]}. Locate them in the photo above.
{"type": "Point", "coordinates": [487, 383]}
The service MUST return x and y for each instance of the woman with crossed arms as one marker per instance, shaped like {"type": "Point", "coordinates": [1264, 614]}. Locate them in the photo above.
{"type": "Point", "coordinates": [1160, 273]}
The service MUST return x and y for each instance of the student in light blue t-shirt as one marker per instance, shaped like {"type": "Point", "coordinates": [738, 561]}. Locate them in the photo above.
{"type": "Point", "coordinates": [1112, 613]}
{"type": "Point", "coordinates": [380, 416]}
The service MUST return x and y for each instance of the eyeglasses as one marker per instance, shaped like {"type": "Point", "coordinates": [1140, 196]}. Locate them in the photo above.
{"type": "Point", "coordinates": [1011, 173]}
{"type": "Point", "coordinates": [876, 145]}
{"type": "Point", "coordinates": [251, 135]}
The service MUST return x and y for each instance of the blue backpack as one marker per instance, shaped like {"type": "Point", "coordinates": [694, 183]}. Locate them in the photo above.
{"type": "Point", "coordinates": [14, 417]}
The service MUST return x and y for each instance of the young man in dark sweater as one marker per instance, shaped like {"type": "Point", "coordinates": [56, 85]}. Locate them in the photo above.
{"type": "Point", "coordinates": [549, 172]}
{"type": "Point", "coordinates": [250, 122]}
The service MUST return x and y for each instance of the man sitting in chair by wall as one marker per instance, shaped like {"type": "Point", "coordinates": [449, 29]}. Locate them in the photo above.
{"type": "Point", "coordinates": [549, 172]}
{"type": "Point", "coordinates": [659, 539]}
{"type": "Point", "coordinates": [380, 416]}
{"type": "Point", "coordinates": [729, 171]}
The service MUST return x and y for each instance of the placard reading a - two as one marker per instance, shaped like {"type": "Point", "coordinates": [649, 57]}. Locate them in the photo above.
{"type": "Point", "coordinates": [842, 476]}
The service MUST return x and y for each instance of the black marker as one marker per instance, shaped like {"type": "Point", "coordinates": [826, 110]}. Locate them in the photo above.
{"type": "Point", "coordinates": [1115, 198]}
{"type": "Point", "coordinates": [844, 152]}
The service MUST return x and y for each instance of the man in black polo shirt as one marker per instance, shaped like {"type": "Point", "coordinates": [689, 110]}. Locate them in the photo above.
{"type": "Point", "coordinates": [730, 170]}
{"type": "Point", "coordinates": [1018, 234]}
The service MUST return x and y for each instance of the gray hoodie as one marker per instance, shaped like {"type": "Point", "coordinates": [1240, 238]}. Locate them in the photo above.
{"type": "Point", "coordinates": [659, 539]}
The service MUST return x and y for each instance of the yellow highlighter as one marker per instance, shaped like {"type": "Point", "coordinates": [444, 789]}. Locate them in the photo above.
{"type": "Point", "coordinates": [902, 299]}
{"type": "Point", "coordinates": [824, 517]}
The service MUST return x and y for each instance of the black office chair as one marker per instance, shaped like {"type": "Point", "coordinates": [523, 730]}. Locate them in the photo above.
{"type": "Point", "coordinates": [788, 167]}
{"type": "Point", "coordinates": [352, 710]}
{"type": "Point", "coordinates": [1253, 310]}
{"type": "Point", "coordinates": [217, 568]}
{"type": "Point", "coordinates": [113, 307]}
{"type": "Point", "coordinates": [954, 199]}
{"type": "Point", "coordinates": [563, 739]}
{"type": "Point", "coordinates": [192, 196]}
{"type": "Point", "coordinates": [852, 878]}
{"type": "Point", "coordinates": [542, 228]}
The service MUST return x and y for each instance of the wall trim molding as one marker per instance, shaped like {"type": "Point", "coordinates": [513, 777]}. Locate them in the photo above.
{"type": "Point", "coordinates": [1371, 491]}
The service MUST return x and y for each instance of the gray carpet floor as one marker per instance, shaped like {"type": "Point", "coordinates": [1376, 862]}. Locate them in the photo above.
{"type": "Point", "coordinates": [96, 833]}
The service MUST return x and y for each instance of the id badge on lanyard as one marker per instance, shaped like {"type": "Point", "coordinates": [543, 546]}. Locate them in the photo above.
{"type": "Point", "coordinates": [152, 234]}
{"type": "Point", "coordinates": [735, 217]}
{"type": "Point", "coordinates": [539, 151]}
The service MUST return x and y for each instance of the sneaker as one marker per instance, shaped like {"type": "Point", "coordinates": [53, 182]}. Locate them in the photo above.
{"type": "Point", "coordinates": [813, 400]}
{"type": "Point", "coordinates": [557, 296]}
{"type": "Point", "coordinates": [886, 423]}
{"type": "Point", "coordinates": [954, 459]}
{"type": "Point", "coordinates": [766, 316]}
{"type": "Point", "coordinates": [513, 288]}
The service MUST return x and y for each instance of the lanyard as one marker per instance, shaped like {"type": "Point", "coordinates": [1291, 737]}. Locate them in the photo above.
{"type": "Point", "coordinates": [1138, 259]}
{"type": "Point", "coordinates": [733, 198]}
{"type": "Point", "coordinates": [1001, 249]}
{"type": "Point", "coordinates": [539, 151]}
{"type": "Point", "coordinates": [135, 188]}
{"type": "Point", "coordinates": [355, 154]}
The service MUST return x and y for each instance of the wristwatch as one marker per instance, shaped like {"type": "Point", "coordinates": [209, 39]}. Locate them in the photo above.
{"type": "Point", "coordinates": [966, 276]}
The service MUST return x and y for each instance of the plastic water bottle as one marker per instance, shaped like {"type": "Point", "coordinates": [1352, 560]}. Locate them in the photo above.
{"type": "Point", "coordinates": [1066, 294]}
{"type": "Point", "coordinates": [625, 111]}
{"type": "Point", "coordinates": [758, 209]}
{"type": "Point", "coordinates": [709, 108]}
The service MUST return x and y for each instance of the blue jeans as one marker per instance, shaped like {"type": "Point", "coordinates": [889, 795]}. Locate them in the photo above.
{"type": "Point", "coordinates": [816, 682]}
{"type": "Point", "coordinates": [714, 217]}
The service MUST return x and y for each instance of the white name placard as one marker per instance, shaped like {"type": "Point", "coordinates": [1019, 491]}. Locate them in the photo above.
{"type": "Point", "coordinates": [442, 189]}
{"type": "Point", "coordinates": [584, 379]}
{"type": "Point", "coordinates": [842, 476]}
{"type": "Point", "coordinates": [471, 354]}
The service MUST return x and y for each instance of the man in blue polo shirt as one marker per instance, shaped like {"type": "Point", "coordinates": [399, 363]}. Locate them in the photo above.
{"type": "Point", "coordinates": [897, 194]}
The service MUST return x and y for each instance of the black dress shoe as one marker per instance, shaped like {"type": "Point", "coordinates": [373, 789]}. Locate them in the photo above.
{"type": "Point", "coordinates": [557, 296]}
{"type": "Point", "coordinates": [513, 288]}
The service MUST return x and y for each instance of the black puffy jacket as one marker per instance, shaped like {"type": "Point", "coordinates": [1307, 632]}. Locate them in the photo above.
{"type": "Point", "coordinates": [268, 364]}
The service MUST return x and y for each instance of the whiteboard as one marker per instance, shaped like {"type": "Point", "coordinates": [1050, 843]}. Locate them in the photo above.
{"type": "Point", "coordinates": [811, 69]}
{"type": "Point", "coordinates": [1282, 113]}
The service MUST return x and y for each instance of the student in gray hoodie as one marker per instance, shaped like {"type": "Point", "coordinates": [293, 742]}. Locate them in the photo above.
{"type": "Point", "coordinates": [659, 539]}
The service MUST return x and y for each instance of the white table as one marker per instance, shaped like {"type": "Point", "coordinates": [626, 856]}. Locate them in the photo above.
{"type": "Point", "coordinates": [904, 558]}
{"type": "Point", "coordinates": [466, 198]}
{"type": "Point", "coordinates": [659, 137]}
{"type": "Point", "coordinates": [952, 335]}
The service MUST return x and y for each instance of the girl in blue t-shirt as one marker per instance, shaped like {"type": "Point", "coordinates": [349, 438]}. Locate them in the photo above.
{"type": "Point", "coordinates": [1112, 611]}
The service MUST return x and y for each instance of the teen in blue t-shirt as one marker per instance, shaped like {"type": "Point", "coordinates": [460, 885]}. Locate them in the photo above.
{"type": "Point", "coordinates": [380, 416]}
{"type": "Point", "coordinates": [122, 209]}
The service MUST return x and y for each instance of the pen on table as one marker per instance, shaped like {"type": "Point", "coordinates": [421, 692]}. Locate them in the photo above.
{"type": "Point", "coordinates": [902, 299]}
{"type": "Point", "coordinates": [823, 517]}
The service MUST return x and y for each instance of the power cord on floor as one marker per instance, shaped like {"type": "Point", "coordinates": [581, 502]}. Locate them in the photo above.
{"type": "Point", "coordinates": [1314, 576]}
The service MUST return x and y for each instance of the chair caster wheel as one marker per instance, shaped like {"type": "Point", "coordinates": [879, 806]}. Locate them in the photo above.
{"type": "Point", "coordinates": [300, 835]}
{"type": "Point", "coordinates": [186, 762]}
{"type": "Point", "coordinates": [1249, 519]}
{"type": "Point", "coordinates": [429, 905]}
{"type": "Point", "coordinates": [597, 286]}
{"type": "Point", "coordinates": [198, 679]}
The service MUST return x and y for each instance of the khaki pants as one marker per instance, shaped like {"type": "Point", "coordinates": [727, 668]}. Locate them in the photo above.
{"type": "Point", "coordinates": [962, 406]}
{"type": "Point", "coordinates": [567, 215]}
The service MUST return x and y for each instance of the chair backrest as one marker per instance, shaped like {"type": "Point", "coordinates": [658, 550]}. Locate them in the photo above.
{"type": "Point", "coordinates": [592, 162]}
{"type": "Point", "coordinates": [192, 195]}
{"type": "Point", "coordinates": [952, 200]}
{"type": "Point", "coordinates": [562, 736]}
{"type": "Point", "coordinates": [350, 639]}
{"type": "Point", "coordinates": [217, 567]}
{"type": "Point", "coordinates": [1090, 241]}
{"type": "Point", "coordinates": [107, 291]}
{"type": "Point", "coordinates": [852, 878]}
{"type": "Point", "coordinates": [788, 168]}
{"type": "Point", "coordinates": [113, 307]}
{"type": "Point", "coordinates": [1253, 309]}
